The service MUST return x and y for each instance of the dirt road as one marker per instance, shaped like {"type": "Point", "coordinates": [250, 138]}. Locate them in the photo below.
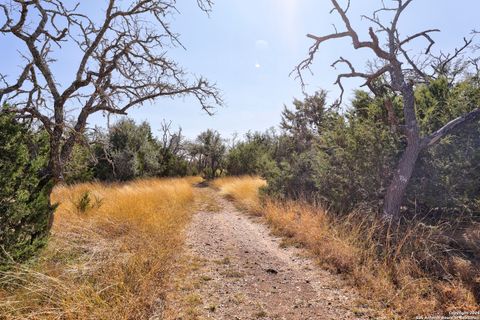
{"type": "Point", "coordinates": [233, 268]}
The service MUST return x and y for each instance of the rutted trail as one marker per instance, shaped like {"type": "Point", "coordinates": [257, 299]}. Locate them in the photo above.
{"type": "Point", "coordinates": [234, 269]}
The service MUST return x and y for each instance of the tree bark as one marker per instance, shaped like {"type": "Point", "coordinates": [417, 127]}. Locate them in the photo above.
{"type": "Point", "coordinates": [398, 186]}
{"type": "Point", "coordinates": [55, 165]}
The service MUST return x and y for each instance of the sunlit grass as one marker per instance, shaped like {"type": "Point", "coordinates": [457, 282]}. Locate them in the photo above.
{"type": "Point", "coordinates": [108, 258]}
{"type": "Point", "coordinates": [243, 190]}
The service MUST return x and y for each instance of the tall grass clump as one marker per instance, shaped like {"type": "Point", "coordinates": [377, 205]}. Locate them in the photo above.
{"type": "Point", "coordinates": [407, 269]}
{"type": "Point", "coordinates": [243, 190]}
{"type": "Point", "coordinates": [108, 257]}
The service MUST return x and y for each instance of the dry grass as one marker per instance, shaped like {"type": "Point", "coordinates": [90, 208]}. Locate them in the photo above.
{"type": "Point", "coordinates": [243, 190]}
{"type": "Point", "coordinates": [109, 257]}
{"type": "Point", "coordinates": [406, 271]}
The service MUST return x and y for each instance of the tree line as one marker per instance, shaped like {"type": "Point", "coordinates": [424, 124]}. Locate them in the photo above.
{"type": "Point", "coordinates": [319, 153]}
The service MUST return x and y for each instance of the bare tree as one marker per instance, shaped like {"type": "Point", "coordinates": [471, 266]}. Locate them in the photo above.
{"type": "Point", "coordinates": [122, 63]}
{"type": "Point", "coordinates": [399, 72]}
{"type": "Point", "coordinates": [171, 141]}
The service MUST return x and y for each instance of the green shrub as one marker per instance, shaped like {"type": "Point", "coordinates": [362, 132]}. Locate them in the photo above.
{"type": "Point", "coordinates": [24, 196]}
{"type": "Point", "coordinates": [129, 151]}
{"type": "Point", "coordinates": [346, 158]}
{"type": "Point", "coordinates": [79, 167]}
{"type": "Point", "coordinates": [251, 156]}
{"type": "Point", "coordinates": [447, 176]}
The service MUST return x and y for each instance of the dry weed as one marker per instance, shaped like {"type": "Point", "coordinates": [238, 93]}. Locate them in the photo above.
{"type": "Point", "coordinates": [243, 190]}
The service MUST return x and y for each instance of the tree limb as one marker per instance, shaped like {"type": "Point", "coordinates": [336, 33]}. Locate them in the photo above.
{"type": "Point", "coordinates": [449, 127]}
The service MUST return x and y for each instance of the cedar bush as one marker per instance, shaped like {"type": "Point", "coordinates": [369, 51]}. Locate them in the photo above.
{"type": "Point", "coordinates": [252, 156]}
{"type": "Point", "coordinates": [345, 158]}
{"type": "Point", "coordinates": [130, 151]}
{"type": "Point", "coordinates": [25, 208]}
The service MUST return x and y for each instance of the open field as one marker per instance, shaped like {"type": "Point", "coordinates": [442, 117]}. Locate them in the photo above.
{"type": "Point", "coordinates": [109, 256]}
{"type": "Point", "coordinates": [396, 270]}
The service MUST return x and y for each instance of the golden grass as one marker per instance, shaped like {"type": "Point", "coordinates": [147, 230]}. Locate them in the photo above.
{"type": "Point", "coordinates": [394, 269]}
{"type": "Point", "coordinates": [109, 260]}
{"type": "Point", "coordinates": [243, 190]}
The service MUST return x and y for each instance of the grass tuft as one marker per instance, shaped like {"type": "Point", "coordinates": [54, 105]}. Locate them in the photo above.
{"type": "Point", "coordinates": [243, 190]}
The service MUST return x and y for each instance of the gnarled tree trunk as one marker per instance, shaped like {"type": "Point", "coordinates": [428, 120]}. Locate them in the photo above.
{"type": "Point", "coordinates": [398, 186]}
{"type": "Point", "coordinates": [415, 144]}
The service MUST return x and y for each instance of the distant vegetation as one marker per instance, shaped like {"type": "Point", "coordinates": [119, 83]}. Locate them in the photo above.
{"type": "Point", "coordinates": [128, 151]}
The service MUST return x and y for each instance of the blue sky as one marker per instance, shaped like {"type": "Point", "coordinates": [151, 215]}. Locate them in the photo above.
{"type": "Point", "coordinates": [249, 48]}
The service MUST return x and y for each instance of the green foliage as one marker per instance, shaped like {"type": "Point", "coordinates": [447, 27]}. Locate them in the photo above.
{"type": "Point", "coordinates": [345, 159]}
{"type": "Point", "coordinates": [84, 202]}
{"type": "Point", "coordinates": [305, 121]}
{"type": "Point", "coordinates": [24, 197]}
{"type": "Point", "coordinates": [209, 153]}
{"type": "Point", "coordinates": [130, 151]}
{"type": "Point", "coordinates": [172, 165]}
{"type": "Point", "coordinates": [133, 149]}
{"type": "Point", "coordinates": [79, 167]}
{"type": "Point", "coordinates": [251, 156]}
{"type": "Point", "coordinates": [356, 156]}
{"type": "Point", "coordinates": [447, 176]}
{"type": "Point", "coordinates": [296, 152]}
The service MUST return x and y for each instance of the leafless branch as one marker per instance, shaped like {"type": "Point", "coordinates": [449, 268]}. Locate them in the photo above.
{"type": "Point", "coordinates": [424, 34]}
{"type": "Point", "coordinates": [443, 62]}
{"type": "Point", "coordinates": [369, 77]}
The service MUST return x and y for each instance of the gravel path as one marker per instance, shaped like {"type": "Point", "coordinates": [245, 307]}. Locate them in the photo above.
{"type": "Point", "coordinates": [235, 269]}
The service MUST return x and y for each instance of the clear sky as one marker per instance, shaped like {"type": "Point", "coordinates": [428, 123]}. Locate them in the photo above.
{"type": "Point", "coordinates": [249, 47]}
